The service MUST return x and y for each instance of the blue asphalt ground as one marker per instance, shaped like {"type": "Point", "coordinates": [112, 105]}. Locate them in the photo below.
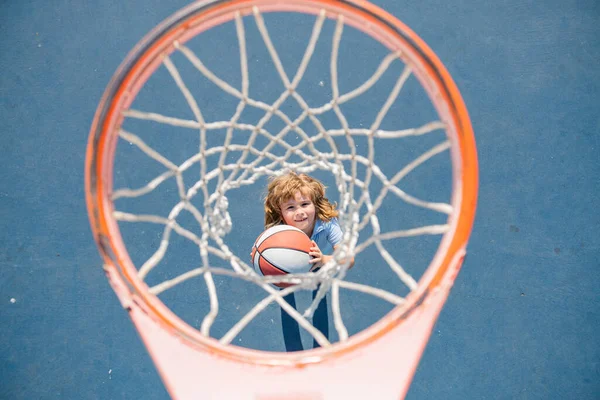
{"type": "Point", "coordinates": [522, 319]}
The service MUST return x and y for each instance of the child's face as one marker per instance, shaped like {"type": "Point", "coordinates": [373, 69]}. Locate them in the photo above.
{"type": "Point", "coordinates": [299, 212]}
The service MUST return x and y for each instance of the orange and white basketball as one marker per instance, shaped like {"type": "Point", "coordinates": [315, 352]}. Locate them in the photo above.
{"type": "Point", "coordinates": [280, 250]}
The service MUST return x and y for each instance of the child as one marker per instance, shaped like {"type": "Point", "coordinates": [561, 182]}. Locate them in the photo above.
{"type": "Point", "coordinates": [299, 200]}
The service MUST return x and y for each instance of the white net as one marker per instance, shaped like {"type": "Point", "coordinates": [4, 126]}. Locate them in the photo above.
{"type": "Point", "coordinates": [302, 144]}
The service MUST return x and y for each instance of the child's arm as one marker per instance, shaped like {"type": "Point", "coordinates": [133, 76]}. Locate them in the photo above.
{"type": "Point", "coordinates": [350, 261]}
{"type": "Point", "coordinates": [319, 258]}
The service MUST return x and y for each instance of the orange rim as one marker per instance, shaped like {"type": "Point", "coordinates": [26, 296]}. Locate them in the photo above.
{"type": "Point", "coordinates": [198, 17]}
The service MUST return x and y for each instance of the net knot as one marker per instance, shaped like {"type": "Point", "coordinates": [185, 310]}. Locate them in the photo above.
{"type": "Point", "coordinates": [219, 218]}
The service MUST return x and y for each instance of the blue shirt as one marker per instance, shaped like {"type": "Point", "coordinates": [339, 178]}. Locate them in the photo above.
{"type": "Point", "coordinates": [327, 234]}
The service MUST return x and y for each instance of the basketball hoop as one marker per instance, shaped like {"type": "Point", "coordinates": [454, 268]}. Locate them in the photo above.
{"type": "Point", "coordinates": [379, 361]}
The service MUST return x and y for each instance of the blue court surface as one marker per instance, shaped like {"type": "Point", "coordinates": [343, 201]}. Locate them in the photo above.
{"type": "Point", "coordinates": [522, 319]}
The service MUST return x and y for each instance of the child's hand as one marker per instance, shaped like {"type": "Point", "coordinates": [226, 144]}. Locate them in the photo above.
{"type": "Point", "coordinates": [315, 253]}
{"type": "Point", "coordinates": [317, 258]}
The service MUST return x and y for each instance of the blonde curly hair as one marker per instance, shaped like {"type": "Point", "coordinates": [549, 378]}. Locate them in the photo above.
{"type": "Point", "coordinates": [283, 188]}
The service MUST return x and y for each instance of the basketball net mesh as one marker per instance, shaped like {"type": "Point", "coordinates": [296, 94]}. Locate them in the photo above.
{"type": "Point", "coordinates": [215, 221]}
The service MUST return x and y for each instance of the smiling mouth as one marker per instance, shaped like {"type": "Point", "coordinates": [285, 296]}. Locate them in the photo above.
{"type": "Point", "coordinates": [301, 220]}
